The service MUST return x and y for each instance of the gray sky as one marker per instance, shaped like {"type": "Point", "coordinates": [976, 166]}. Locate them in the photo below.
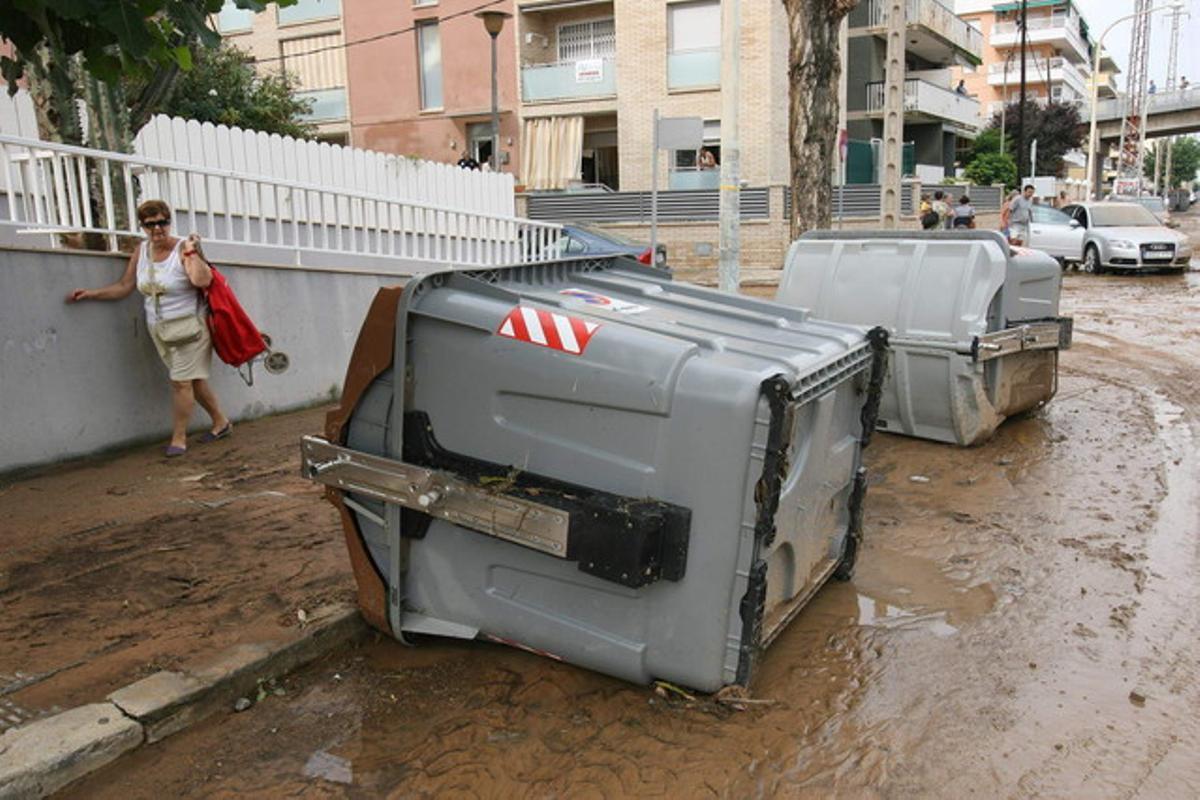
{"type": "Point", "coordinates": [1101, 13]}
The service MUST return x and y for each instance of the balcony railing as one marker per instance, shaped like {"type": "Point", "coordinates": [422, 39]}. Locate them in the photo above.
{"type": "Point", "coordinates": [693, 178]}
{"type": "Point", "coordinates": [690, 69]}
{"type": "Point", "coordinates": [938, 18]}
{"type": "Point", "coordinates": [1051, 70]}
{"type": "Point", "coordinates": [925, 98]}
{"type": "Point", "coordinates": [568, 80]}
{"type": "Point", "coordinates": [1042, 29]}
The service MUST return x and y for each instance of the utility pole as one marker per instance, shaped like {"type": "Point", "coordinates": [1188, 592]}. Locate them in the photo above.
{"type": "Point", "coordinates": [1165, 187]}
{"type": "Point", "coordinates": [1021, 109]}
{"type": "Point", "coordinates": [730, 211]}
{"type": "Point", "coordinates": [893, 118]}
{"type": "Point", "coordinates": [1133, 124]}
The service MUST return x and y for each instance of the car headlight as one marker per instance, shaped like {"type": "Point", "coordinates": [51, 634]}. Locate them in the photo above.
{"type": "Point", "coordinates": [1124, 244]}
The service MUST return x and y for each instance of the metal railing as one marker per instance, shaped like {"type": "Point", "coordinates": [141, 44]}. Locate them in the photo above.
{"type": "Point", "coordinates": [1069, 24]}
{"type": "Point", "coordinates": [1039, 69]}
{"type": "Point", "coordinates": [56, 188]}
{"type": "Point", "coordinates": [927, 98]}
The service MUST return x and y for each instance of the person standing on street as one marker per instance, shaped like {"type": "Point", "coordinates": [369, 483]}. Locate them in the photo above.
{"type": "Point", "coordinates": [1020, 214]}
{"type": "Point", "coordinates": [942, 209]}
{"type": "Point", "coordinates": [171, 274]}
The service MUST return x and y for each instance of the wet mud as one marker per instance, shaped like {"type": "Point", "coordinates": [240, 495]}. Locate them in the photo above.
{"type": "Point", "coordinates": [1024, 622]}
{"type": "Point", "coordinates": [117, 567]}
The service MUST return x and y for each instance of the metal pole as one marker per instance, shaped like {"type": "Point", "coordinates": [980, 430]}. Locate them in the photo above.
{"type": "Point", "coordinates": [495, 113]}
{"type": "Point", "coordinates": [1093, 162]}
{"type": "Point", "coordinates": [654, 190]}
{"type": "Point", "coordinates": [1021, 110]}
{"type": "Point", "coordinates": [1033, 159]}
{"type": "Point", "coordinates": [728, 265]}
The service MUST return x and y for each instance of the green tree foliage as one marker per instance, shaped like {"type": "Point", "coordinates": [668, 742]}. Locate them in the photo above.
{"type": "Point", "coordinates": [988, 141]}
{"type": "Point", "coordinates": [1056, 126]}
{"type": "Point", "coordinates": [988, 168]}
{"type": "Point", "coordinates": [223, 88]}
{"type": "Point", "coordinates": [1185, 161]}
{"type": "Point", "coordinates": [65, 48]}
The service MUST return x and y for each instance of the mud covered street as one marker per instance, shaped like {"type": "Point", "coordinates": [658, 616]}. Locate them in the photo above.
{"type": "Point", "coordinates": [1024, 622]}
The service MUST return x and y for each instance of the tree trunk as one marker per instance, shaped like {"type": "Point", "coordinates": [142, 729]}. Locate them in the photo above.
{"type": "Point", "coordinates": [814, 69]}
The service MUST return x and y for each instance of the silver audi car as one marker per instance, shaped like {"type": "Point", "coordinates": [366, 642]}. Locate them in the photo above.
{"type": "Point", "coordinates": [1127, 236]}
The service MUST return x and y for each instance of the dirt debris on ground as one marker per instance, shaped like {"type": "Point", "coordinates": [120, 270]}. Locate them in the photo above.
{"type": "Point", "coordinates": [1024, 625]}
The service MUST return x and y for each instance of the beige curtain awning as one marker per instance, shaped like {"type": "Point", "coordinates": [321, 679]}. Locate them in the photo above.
{"type": "Point", "coordinates": [551, 152]}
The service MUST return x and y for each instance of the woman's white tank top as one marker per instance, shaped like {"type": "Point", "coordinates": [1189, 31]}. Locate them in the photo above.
{"type": "Point", "coordinates": [169, 293]}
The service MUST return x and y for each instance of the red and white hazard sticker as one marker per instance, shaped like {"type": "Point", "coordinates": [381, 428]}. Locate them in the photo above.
{"type": "Point", "coordinates": [549, 329]}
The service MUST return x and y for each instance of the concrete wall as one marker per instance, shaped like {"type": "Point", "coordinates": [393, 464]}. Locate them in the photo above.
{"type": "Point", "coordinates": [82, 378]}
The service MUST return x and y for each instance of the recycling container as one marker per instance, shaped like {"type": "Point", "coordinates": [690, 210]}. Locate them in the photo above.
{"type": "Point", "coordinates": [594, 462]}
{"type": "Point", "coordinates": [973, 323]}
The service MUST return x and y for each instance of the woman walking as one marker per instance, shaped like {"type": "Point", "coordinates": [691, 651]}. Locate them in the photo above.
{"type": "Point", "coordinates": [170, 273]}
{"type": "Point", "coordinates": [1006, 213]}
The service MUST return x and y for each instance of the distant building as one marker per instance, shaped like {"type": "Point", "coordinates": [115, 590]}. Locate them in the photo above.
{"type": "Point", "coordinates": [306, 39]}
{"type": "Point", "coordinates": [938, 121]}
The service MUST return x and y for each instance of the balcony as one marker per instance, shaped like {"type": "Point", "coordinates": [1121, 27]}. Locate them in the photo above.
{"type": "Point", "coordinates": [570, 80]}
{"type": "Point", "coordinates": [692, 178]}
{"type": "Point", "coordinates": [941, 36]}
{"type": "Point", "coordinates": [1106, 86]}
{"type": "Point", "coordinates": [925, 102]}
{"type": "Point", "coordinates": [1058, 31]}
{"type": "Point", "coordinates": [1038, 70]}
{"type": "Point", "coordinates": [694, 69]}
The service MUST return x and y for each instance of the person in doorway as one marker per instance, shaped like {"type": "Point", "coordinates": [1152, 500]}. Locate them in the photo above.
{"type": "Point", "coordinates": [964, 213]}
{"type": "Point", "coordinates": [961, 88]}
{"type": "Point", "coordinates": [170, 273]}
{"type": "Point", "coordinates": [467, 162]}
{"type": "Point", "coordinates": [705, 159]}
{"type": "Point", "coordinates": [1020, 214]}
{"type": "Point", "coordinates": [942, 209]}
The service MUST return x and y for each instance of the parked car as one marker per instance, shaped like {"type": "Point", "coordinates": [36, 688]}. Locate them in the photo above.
{"type": "Point", "coordinates": [587, 240]}
{"type": "Point", "coordinates": [1057, 234]}
{"type": "Point", "coordinates": [1127, 236]}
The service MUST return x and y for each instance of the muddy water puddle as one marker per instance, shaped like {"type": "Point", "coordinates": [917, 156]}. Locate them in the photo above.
{"type": "Point", "coordinates": [1023, 623]}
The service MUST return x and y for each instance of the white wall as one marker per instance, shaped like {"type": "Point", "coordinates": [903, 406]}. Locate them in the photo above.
{"type": "Point", "coordinates": [79, 379]}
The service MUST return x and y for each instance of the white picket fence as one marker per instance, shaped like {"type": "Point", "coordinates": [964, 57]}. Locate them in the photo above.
{"type": "Point", "coordinates": [283, 158]}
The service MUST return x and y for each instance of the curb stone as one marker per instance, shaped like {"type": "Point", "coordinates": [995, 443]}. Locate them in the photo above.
{"type": "Point", "coordinates": [43, 756]}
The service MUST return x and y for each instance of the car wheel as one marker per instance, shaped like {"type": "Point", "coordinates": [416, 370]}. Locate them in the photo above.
{"type": "Point", "coordinates": [1091, 260]}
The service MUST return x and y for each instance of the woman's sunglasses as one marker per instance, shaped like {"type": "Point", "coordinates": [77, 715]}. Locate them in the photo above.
{"type": "Point", "coordinates": [156, 223]}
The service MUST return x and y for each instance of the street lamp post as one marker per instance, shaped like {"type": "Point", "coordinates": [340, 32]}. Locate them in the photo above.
{"type": "Point", "coordinates": [1093, 184]}
{"type": "Point", "coordinates": [493, 21]}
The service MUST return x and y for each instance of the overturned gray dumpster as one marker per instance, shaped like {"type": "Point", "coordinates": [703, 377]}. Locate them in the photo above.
{"type": "Point", "coordinates": [592, 462]}
{"type": "Point", "coordinates": [974, 325]}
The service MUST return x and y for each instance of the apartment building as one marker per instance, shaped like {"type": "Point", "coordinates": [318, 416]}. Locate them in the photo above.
{"type": "Point", "coordinates": [1058, 53]}
{"type": "Point", "coordinates": [307, 40]}
{"type": "Point", "coordinates": [938, 121]}
{"type": "Point", "coordinates": [577, 57]}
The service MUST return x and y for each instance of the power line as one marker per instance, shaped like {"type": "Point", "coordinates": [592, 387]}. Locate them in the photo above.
{"type": "Point", "coordinates": [378, 36]}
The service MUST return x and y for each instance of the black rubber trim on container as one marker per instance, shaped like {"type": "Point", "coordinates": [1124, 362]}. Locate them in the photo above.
{"type": "Point", "coordinates": [777, 392]}
{"type": "Point", "coordinates": [878, 337]}
{"type": "Point", "coordinates": [626, 540]}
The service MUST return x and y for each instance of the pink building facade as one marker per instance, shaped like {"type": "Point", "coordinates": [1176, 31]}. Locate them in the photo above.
{"type": "Point", "coordinates": [426, 92]}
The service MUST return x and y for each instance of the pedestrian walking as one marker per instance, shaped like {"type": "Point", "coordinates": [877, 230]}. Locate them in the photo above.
{"type": "Point", "coordinates": [171, 274]}
{"type": "Point", "coordinates": [928, 217]}
{"type": "Point", "coordinates": [1006, 211]}
{"type": "Point", "coordinates": [1020, 214]}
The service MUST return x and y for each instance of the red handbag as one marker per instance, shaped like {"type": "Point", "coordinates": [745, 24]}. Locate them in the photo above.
{"type": "Point", "coordinates": [235, 337]}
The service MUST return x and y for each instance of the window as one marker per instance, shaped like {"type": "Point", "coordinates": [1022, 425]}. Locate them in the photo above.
{"type": "Point", "coordinates": [581, 40]}
{"type": "Point", "coordinates": [306, 10]}
{"type": "Point", "coordinates": [429, 55]}
{"type": "Point", "coordinates": [231, 18]}
{"type": "Point", "coordinates": [419, 3]}
{"type": "Point", "coordinates": [694, 26]}
{"type": "Point", "coordinates": [328, 104]}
